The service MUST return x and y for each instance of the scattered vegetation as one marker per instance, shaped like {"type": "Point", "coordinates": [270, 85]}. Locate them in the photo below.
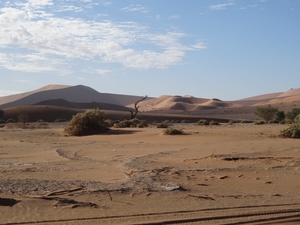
{"type": "Point", "coordinates": [213, 123]}
{"type": "Point", "coordinates": [87, 123]}
{"type": "Point", "coordinates": [109, 122]}
{"type": "Point", "coordinates": [172, 131]}
{"type": "Point", "coordinates": [291, 115]}
{"type": "Point", "coordinates": [266, 113]}
{"type": "Point", "coordinates": [1, 113]}
{"type": "Point", "coordinates": [293, 131]}
{"type": "Point", "coordinates": [129, 123]}
{"type": "Point", "coordinates": [230, 122]}
{"type": "Point", "coordinates": [164, 124]}
{"type": "Point", "coordinates": [279, 117]}
{"type": "Point", "coordinates": [246, 121]}
{"type": "Point", "coordinates": [23, 116]}
{"type": "Point", "coordinates": [202, 123]}
{"type": "Point", "coordinates": [185, 121]}
{"type": "Point", "coordinates": [258, 122]}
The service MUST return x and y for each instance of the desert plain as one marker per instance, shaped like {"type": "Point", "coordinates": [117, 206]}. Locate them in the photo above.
{"type": "Point", "coordinates": [227, 174]}
{"type": "Point", "coordinates": [233, 173]}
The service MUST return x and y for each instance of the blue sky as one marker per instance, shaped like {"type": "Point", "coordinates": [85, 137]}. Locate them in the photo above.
{"type": "Point", "coordinates": [226, 49]}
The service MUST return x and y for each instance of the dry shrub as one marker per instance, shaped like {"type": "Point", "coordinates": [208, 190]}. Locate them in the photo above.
{"type": "Point", "coordinates": [87, 123]}
{"type": "Point", "coordinates": [258, 122]}
{"type": "Point", "coordinates": [131, 123]}
{"type": "Point", "coordinates": [292, 131]}
{"type": "Point", "coordinates": [9, 125]}
{"type": "Point", "coordinates": [164, 124]}
{"type": "Point", "coordinates": [213, 123]}
{"type": "Point", "coordinates": [202, 123]}
{"type": "Point", "coordinates": [172, 131]}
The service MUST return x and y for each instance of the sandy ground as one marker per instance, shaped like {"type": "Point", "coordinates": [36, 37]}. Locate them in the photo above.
{"type": "Point", "coordinates": [241, 174]}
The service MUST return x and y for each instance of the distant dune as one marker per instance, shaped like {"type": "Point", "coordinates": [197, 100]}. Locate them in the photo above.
{"type": "Point", "coordinates": [176, 104]}
{"type": "Point", "coordinates": [77, 94]}
{"type": "Point", "coordinates": [61, 101]}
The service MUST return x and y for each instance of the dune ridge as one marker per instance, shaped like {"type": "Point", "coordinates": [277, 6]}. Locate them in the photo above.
{"type": "Point", "coordinates": [78, 94]}
{"type": "Point", "coordinates": [83, 97]}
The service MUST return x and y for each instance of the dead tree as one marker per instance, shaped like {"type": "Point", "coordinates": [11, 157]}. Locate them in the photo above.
{"type": "Point", "coordinates": [136, 107]}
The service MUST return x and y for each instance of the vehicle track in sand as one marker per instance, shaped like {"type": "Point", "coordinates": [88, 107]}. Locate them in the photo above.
{"type": "Point", "coordinates": [258, 214]}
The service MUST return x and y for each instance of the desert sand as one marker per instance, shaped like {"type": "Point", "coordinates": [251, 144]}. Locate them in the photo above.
{"type": "Point", "coordinates": [228, 174]}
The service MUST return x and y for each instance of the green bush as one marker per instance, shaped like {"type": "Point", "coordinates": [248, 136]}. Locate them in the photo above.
{"type": "Point", "coordinates": [123, 124]}
{"type": "Point", "coordinates": [266, 113]}
{"type": "Point", "coordinates": [172, 131]}
{"type": "Point", "coordinates": [202, 123]}
{"type": "Point", "coordinates": [276, 121]}
{"type": "Point", "coordinates": [293, 131]}
{"type": "Point", "coordinates": [87, 123]}
{"type": "Point", "coordinates": [23, 116]}
{"type": "Point", "coordinates": [291, 115]}
{"type": "Point", "coordinates": [142, 124]}
{"type": "Point", "coordinates": [280, 117]}
{"type": "Point", "coordinates": [109, 122]}
{"type": "Point", "coordinates": [130, 123]}
{"type": "Point", "coordinates": [164, 124]}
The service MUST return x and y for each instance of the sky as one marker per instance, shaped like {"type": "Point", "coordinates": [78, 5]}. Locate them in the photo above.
{"type": "Point", "coordinates": [226, 49]}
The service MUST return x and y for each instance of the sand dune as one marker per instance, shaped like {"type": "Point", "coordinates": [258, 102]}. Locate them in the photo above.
{"type": "Point", "coordinates": [175, 104]}
{"type": "Point", "coordinates": [291, 92]}
{"type": "Point", "coordinates": [78, 94]}
{"type": "Point", "coordinates": [17, 97]}
{"type": "Point", "coordinates": [83, 97]}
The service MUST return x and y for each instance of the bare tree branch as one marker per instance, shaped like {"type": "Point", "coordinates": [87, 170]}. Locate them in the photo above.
{"type": "Point", "coordinates": [136, 107]}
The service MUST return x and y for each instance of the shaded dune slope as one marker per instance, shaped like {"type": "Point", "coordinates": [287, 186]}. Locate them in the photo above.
{"type": "Point", "coordinates": [78, 94]}
{"type": "Point", "coordinates": [38, 112]}
{"type": "Point", "coordinates": [89, 105]}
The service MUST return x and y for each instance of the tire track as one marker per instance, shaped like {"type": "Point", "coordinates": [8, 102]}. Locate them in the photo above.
{"type": "Point", "coordinates": [240, 215]}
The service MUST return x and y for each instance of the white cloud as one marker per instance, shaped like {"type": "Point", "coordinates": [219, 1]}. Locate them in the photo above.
{"type": "Point", "coordinates": [221, 6]}
{"type": "Point", "coordinates": [135, 8]}
{"type": "Point", "coordinates": [103, 72]}
{"type": "Point", "coordinates": [66, 8]}
{"type": "Point", "coordinates": [174, 17]}
{"type": "Point", "coordinates": [40, 3]}
{"type": "Point", "coordinates": [105, 3]}
{"type": "Point", "coordinates": [46, 42]}
{"type": "Point", "coordinates": [199, 45]}
{"type": "Point", "coordinates": [31, 63]}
